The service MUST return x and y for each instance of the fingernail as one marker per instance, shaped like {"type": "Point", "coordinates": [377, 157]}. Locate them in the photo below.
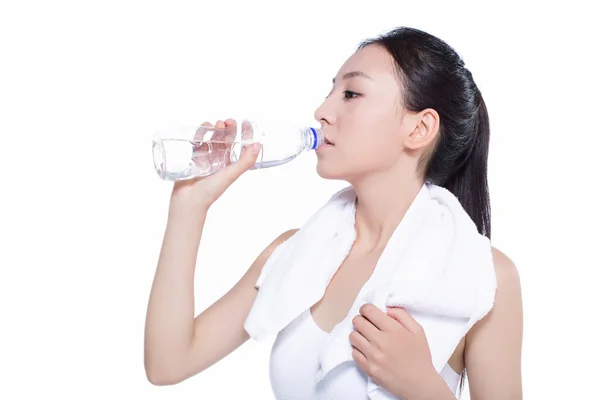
{"type": "Point", "coordinates": [256, 148]}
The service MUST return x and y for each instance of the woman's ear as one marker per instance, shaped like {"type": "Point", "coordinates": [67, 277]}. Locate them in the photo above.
{"type": "Point", "coordinates": [426, 127]}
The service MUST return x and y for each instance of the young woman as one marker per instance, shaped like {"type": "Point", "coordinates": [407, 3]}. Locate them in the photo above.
{"type": "Point", "coordinates": [403, 110]}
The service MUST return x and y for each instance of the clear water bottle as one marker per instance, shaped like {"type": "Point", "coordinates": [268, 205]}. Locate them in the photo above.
{"type": "Point", "coordinates": [189, 152]}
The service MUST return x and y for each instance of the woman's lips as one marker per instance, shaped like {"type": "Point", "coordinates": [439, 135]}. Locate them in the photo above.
{"type": "Point", "coordinates": [326, 145]}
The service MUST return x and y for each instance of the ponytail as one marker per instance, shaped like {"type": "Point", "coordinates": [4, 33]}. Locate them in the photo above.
{"type": "Point", "coordinates": [469, 183]}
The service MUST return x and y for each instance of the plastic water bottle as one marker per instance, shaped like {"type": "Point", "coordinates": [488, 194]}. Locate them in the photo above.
{"type": "Point", "coordinates": [189, 152]}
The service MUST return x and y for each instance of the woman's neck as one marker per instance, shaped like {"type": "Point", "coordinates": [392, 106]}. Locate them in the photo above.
{"type": "Point", "coordinates": [382, 202]}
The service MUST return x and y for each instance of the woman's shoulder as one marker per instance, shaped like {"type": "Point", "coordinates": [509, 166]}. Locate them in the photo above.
{"type": "Point", "coordinates": [286, 235]}
{"type": "Point", "coordinates": [278, 241]}
{"type": "Point", "coordinates": [507, 311]}
{"type": "Point", "coordinates": [507, 273]}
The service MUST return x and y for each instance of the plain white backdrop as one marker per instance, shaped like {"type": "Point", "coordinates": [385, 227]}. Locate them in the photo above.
{"type": "Point", "coordinates": [84, 85]}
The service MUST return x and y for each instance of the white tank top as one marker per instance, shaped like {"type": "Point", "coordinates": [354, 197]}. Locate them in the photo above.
{"type": "Point", "coordinates": [294, 364]}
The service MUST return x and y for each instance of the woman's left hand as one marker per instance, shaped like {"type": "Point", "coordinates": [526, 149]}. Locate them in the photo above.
{"type": "Point", "coordinates": [392, 350]}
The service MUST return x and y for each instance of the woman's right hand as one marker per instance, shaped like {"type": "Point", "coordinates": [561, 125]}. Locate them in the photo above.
{"type": "Point", "coordinates": [202, 192]}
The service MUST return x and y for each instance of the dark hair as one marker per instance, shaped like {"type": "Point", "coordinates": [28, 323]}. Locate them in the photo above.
{"type": "Point", "coordinates": [433, 75]}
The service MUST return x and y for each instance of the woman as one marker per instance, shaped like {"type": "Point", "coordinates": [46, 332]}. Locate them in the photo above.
{"type": "Point", "coordinates": [403, 110]}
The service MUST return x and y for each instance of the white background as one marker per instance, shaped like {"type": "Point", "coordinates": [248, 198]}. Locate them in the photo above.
{"type": "Point", "coordinates": [84, 85]}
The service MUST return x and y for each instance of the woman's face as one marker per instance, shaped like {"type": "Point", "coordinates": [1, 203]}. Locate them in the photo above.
{"type": "Point", "coordinates": [362, 117]}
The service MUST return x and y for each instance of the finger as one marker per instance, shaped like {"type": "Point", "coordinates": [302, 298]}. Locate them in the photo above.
{"type": "Point", "coordinates": [247, 136]}
{"type": "Point", "coordinates": [405, 319]}
{"type": "Point", "coordinates": [200, 148]}
{"type": "Point", "coordinates": [377, 317]}
{"type": "Point", "coordinates": [234, 170]}
{"type": "Point", "coordinates": [221, 143]}
{"type": "Point", "coordinates": [219, 134]}
{"type": "Point", "coordinates": [201, 132]}
{"type": "Point", "coordinates": [247, 131]}
{"type": "Point", "coordinates": [361, 359]}
{"type": "Point", "coordinates": [230, 130]}
{"type": "Point", "coordinates": [360, 342]}
{"type": "Point", "coordinates": [229, 140]}
{"type": "Point", "coordinates": [365, 328]}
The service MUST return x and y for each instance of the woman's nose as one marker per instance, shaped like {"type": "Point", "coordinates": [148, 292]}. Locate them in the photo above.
{"type": "Point", "coordinates": [323, 113]}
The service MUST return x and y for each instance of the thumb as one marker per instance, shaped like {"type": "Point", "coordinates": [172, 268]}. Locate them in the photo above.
{"type": "Point", "coordinates": [393, 312]}
{"type": "Point", "coordinates": [404, 318]}
{"type": "Point", "coordinates": [246, 161]}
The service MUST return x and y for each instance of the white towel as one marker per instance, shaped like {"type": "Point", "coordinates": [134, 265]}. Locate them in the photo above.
{"type": "Point", "coordinates": [436, 265]}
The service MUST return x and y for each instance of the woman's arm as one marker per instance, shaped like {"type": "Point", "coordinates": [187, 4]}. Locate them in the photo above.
{"type": "Point", "coordinates": [177, 344]}
{"type": "Point", "coordinates": [494, 344]}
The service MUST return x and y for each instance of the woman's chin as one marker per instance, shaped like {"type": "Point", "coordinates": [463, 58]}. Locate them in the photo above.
{"type": "Point", "coordinates": [329, 171]}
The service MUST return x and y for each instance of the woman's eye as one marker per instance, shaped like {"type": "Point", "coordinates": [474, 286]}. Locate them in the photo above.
{"type": "Point", "coordinates": [348, 94]}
